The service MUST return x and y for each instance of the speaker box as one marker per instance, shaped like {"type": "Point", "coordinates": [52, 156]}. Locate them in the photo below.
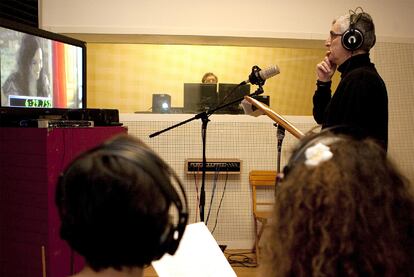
{"type": "Point", "coordinates": [161, 103]}
{"type": "Point", "coordinates": [100, 117]}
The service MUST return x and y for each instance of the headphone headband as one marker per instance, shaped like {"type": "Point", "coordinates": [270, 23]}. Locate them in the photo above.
{"type": "Point", "coordinates": [328, 136]}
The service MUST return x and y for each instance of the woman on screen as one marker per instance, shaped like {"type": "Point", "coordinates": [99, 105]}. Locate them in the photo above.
{"type": "Point", "coordinates": [29, 79]}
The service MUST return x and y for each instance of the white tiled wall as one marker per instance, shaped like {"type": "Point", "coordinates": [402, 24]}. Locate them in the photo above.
{"type": "Point", "coordinates": [252, 140]}
{"type": "Point", "coordinates": [395, 63]}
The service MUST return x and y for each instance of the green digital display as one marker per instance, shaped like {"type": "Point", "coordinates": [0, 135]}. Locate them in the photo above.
{"type": "Point", "coordinates": [38, 103]}
{"type": "Point", "coordinates": [31, 102]}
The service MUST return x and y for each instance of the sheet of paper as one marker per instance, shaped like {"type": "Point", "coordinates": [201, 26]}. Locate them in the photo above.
{"type": "Point", "coordinates": [197, 255]}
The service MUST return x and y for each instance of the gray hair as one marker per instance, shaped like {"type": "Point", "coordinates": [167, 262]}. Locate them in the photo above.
{"type": "Point", "coordinates": [363, 22]}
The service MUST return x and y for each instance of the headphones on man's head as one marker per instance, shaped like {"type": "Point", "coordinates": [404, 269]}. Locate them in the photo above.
{"type": "Point", "coordinates": [150, 163]}
{"type": "Point", "coordinates": [353, 38]}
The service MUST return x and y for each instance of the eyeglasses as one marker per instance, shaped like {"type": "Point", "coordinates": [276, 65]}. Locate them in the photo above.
{"type": "Point", "coordinates": [334, 35]}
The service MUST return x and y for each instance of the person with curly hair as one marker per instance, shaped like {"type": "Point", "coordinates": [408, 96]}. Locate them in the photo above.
{"type": "Point", "coordinates": [341, 209]}
{"type": "Point", "coordinates": [114, 202]}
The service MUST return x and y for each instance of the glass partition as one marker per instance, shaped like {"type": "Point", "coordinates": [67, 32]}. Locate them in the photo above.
{"type": "Point", "coordinates": [126, 76]}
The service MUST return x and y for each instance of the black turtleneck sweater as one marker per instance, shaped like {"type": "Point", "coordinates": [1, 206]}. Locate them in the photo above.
{"type": "Point", "coordinates": [359, 102]}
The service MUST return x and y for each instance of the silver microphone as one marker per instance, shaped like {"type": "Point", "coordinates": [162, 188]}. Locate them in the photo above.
{"type": "Point", "coordinates": [259, 76]}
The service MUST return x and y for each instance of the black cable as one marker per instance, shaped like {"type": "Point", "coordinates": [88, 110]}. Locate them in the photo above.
{"type": "Point", "coordinates": [221, 200]}
{"type": "Point", "coordinates": [213, 192]}
{"type": "Point", "coordinates": [229, 93]}
{"type": "Point", "coordinates": [72, 262]}
{"type": "Point", "coordinates": [241, 260]}
{"type": "Point", "coordinates": [196, 187]}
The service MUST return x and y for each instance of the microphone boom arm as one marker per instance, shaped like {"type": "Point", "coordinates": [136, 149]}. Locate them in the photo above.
{"type": "Point", "coordinates": [207, 113]}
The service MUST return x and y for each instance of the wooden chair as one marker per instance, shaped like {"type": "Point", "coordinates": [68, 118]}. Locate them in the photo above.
{"type": "Point", "coordinates": [261, 179]}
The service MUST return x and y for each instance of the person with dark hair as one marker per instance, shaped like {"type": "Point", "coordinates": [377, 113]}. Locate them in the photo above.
{"type": "Point", "coordinates": [30, 78]}
{"type": "Point", "coordinates": [341, 209]}
{"type": "Point", "coordinates": [209, 78]}
{"type": "Point", "coordinates": [114, 202]}
{"type": "Point", "coordinates": [360, 101]}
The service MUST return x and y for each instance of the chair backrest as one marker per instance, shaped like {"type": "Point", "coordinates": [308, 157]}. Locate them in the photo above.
{"type": "Point", "coordinates": [261, 179]}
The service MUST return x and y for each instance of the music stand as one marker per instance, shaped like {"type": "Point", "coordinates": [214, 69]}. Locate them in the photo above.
{"type": "Point", "coordinates": [281, 124]}
{"type": "Point", "coordinates": [275, 117]}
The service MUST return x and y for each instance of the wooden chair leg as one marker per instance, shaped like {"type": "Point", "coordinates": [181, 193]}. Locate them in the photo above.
{"type": "Point", "coordinates": [256, 241]}
{"type": "Point", "coordinates": [255, 235]}
{"type": "Point", "coordinates": [258, 237]}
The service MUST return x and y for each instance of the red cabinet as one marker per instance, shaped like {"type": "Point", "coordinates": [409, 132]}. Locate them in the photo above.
{"type": "Point", "coordinates": [31, 160]}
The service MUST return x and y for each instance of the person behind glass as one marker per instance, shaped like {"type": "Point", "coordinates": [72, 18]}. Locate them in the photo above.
{"type": "Point", "coordinates": [29, 79]}
{"type": "Point", "coordinates": [341, 209]}
{"type": "Point", "coordinates": [114, 203]}
{"type": "Point", "coordinates": [209, 78]}
{"type": "Point", "coordinates": [360, 101]}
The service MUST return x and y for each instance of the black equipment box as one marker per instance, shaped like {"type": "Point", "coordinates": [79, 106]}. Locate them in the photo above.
{"type": "Point", "coordinates": [15, 117]}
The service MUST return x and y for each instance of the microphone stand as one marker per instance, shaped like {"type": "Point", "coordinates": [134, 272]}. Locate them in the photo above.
{"type": "Point", "coordinates": [280, 134]}
{"type": "Point", "coordinates": [204, 118]}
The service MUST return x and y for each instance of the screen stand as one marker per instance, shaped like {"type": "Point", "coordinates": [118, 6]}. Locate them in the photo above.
{"type": "Point", "coordinates": [204, 118]}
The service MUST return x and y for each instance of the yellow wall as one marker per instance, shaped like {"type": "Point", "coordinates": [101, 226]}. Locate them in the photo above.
{"type": "Point", "coordinates": [124, 76]}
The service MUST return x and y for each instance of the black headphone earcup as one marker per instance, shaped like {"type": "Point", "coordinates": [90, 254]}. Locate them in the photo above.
{"type": "Point", "coordinates": [163, 243]}
{"type": "Point", "coordinates": [170, 243]}
{"type": "Point", "coordinates": [173, 234]}
{"type": "Point", "coordinates": [352, 39]}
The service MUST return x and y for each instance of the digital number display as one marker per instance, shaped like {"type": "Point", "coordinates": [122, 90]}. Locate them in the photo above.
{"type": "Point", "coordinates": [38, 103]}
{"type": "Point", "coordinates": [31, 102]}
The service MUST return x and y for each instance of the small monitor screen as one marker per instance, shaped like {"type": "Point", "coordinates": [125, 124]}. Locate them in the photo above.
{"type": "Point", "coordinates": [199, 97]}
{"type": "Point", "coordinates": [40, 69]}
{"type": "Point", "coordinates": [228, 93]}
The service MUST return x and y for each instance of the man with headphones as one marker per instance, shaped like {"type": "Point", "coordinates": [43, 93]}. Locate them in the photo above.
{"type": "Point", "coordinates": [360, 101]}
{"type": "Point", "coordinates": [114, 202]}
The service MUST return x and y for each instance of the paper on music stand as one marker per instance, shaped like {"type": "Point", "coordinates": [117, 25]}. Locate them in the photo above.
{"type": "Point", "coordinates": [275, 117]}
{"type": "Point", "coordinates": [248, 109]}
{"type": "Point", "coordinates": [197, 255]}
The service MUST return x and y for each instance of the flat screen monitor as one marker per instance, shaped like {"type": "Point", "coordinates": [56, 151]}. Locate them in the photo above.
{"type": "Point", "coordinates": [265, 99]}
{"type": "Point", "coordinates": [230, 92]}
{"type": "Point", "coordinates": [199, 97]}
{"type": "Point", "coordinates": [40, 69]}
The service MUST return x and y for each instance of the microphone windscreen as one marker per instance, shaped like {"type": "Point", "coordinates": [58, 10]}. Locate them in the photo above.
{"type": "Point", "coordinates": [269, 72]}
